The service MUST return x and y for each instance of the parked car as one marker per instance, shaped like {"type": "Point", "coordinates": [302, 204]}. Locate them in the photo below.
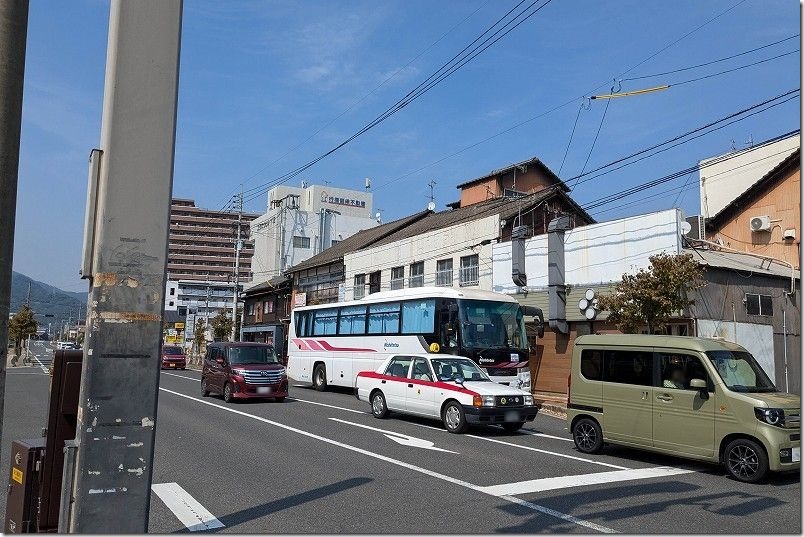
{"type": "Point", "coordinates": [446, 387]}
{"type": "Point", "coordinates": [697, 398]}
{"type": "Point", "coordinates": [173, 357]}
{"type": "Point", "coordinates": [242, 371]}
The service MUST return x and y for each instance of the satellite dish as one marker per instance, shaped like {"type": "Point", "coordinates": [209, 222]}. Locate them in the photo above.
{"type": "Point", "coordinates": [431, 206]}
{"type": "Point", "coordinates": [583, 304]}
{"type": "Point", "coordinates": [590, 313]}
{"type": "Point", "coordinates": [686, 227]}
{"type": "Point", "coordinates": [590, 294]}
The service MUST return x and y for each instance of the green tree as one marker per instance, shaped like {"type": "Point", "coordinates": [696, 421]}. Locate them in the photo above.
{"type": "Point", "coordinates": [21, 326]}
{"type": "Point", "coordinates": [653, 295]}
{"type": "Point", "coordinates": [221, 326]}
{"type": "Point", "coordinates": [199, 334]}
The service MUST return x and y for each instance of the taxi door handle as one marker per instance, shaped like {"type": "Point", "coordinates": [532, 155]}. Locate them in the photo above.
{"type": "Point", "coordinates": [665, 397]}
{"type": "Point", "coordinates": [382, 382]}
{"type": "Point", "coordinates": [644, 396]}
{"type": "Point", "coordinates": [410, 385]}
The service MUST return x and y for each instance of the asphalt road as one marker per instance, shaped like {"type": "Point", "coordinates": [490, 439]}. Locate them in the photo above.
{"type": "Point", "coordinates": [321, 463]}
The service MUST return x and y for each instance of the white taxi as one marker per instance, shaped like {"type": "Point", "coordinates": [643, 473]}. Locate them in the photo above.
{"type": "Point", "coordinates": [442, 386]}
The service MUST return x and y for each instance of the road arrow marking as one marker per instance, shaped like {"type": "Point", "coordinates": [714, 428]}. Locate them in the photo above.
{"type": "Point", "coordinates": [399, 438]}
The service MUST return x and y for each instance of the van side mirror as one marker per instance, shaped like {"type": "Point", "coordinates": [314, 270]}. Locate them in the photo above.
{"type": "Point", "coordinates": [219, 361]}
{"type": "Point", "coordinates": [700, 385]}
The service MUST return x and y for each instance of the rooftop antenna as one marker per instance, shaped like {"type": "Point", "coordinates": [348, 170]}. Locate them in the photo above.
{"type": "Point", "coordinates": [750, 141]}
{"type": "Point", "coordinates": [733, 145]}
{"type": "Point", "coordinates": [378, 216]}
{"type": "Point", "coordinates": [304, 183]}
{"type": "Point", "coordinates": [368, 183]}
{"type": "Point", "coordinates": [432, 205]}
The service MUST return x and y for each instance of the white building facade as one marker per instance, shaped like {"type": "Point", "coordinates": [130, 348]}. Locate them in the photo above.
{"type": "Point", "coordinates": [448, 257]}
{"type": "Point", "coordinates": [302, 222]}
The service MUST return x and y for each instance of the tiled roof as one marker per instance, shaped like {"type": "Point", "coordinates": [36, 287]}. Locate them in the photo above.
{"type": "Point", "coordinates": [359, 240]}
{"type": "Point", "coordinates": [270, 285]}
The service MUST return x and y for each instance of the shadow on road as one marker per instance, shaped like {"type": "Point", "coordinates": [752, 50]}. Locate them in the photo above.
{"type": "Point", "coordinates": [259, 511]}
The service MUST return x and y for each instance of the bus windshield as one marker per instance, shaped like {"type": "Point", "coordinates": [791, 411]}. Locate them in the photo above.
{"type": "Point", "coordinates": [489, 324]}
{"type": "Point", "coordinates": [740, 371]}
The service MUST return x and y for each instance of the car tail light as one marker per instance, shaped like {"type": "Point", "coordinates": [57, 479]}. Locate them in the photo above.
{"type": "Point", "coordinates": [477, 401]}
{"type": "Point", "coordinates": [569, 385]}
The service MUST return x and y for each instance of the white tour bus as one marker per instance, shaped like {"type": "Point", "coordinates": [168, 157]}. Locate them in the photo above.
{"type": "Point", "coordinates": [329, 344]}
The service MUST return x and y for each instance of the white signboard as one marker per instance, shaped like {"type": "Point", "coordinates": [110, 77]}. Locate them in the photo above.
{"type": "Point", "coordinates": [300, 299]}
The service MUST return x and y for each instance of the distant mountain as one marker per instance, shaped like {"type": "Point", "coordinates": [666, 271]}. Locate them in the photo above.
{"type": "Point", "coordinates": [46, 300]}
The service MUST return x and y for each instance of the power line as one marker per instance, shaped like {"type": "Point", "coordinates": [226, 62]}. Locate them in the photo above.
{"type": "Point", "coordinates": [594, 141]}
{"type": "Point", "coordinates": [710, 62]}
{"type": "Point", "coordinates": [684, 135]}
{"type": "Point", "coordinates": [740, 68]}
{"type": "Point", "coordinates": [572, 133]}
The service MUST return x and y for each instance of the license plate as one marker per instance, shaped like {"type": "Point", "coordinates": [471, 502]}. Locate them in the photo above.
{"type": "Point", "coordinates": [172, 365]}
{"type": "Point", "coordinates": [264, 389]}
{"type": "Point", "coordinates": [796, 454]}
{"type": "Point", "coordinates": [512, 415]}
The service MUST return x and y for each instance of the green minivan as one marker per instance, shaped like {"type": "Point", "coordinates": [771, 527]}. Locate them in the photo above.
{"type": "Point", "coordinates": [703, 399]}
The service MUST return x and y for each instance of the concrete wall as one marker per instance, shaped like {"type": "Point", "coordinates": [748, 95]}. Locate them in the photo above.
{"type": "Point", "coordinates": [452, 242]}
{"type": "Point", "coordinates": [595, 254]}
{"type": "Point", "coordinates": [721, 183]}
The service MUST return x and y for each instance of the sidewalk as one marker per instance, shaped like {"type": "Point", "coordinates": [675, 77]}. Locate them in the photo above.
{"type": "Point", "coordinates": [552, 404]}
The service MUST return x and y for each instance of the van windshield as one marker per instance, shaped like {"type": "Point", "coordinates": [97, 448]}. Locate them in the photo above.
{"type": "Point", "coordinates": [740, 371]}
{"type": "Point", "coordinates": [252, 355]}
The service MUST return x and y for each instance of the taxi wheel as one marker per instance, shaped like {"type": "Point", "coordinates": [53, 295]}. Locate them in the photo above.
{"type": "Point", "coordinates": [227, 393]}
{"type": "Point", "coordinates": [745, 460]}
{"type": "Point", "coordinates": [378, 406]}
{"type": "Point", "coordinates": [204, 388]}
{"type": "Point", "coordinates": [454, 418]}
{"type": "Point", "coordinates": [588, 435]}
{"type": "Point", "coordinates": [320, 378]}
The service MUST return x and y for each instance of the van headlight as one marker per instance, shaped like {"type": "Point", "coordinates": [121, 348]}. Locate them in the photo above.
{"type": "Point", "coordinates": [771, 416]}
{"type": "Point", "coordinates": [239, 372]}
{"type": "Point", "coordinates": [528, 400]}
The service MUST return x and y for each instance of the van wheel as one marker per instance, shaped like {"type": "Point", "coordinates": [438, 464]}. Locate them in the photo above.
{"type": "Point", "coordinates": [204, 388]}
{"type": "Point", "coordinates": [378, 406]}
{"type": "Point", "coordinates": [320, 378]}
{"type": "Point", "coordinates": [227, 393]}
{"type": "Point", "coordinates": [513, 426]}
{"type": "Point", "coordinates": [279, 399]}
{"type": "Point", "coordinates": [745, 460]}
{"type": "Point", "coordinates": [454, 418]}
{"type": "Point", "coordinates": [587, 435]}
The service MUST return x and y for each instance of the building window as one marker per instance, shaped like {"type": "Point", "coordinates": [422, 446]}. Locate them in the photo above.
{"type": "Point", "coordinates": [268, 306]}
{"type": "Point", "coordinates": [759, 305]}
{"type": "Point", "coordinates": [250, 309]}
{"type": "Point", "coordinates": [301, 242]}
{"type": "Point", "coordinates": [171, 303]}
{"type": "Point", "coordinates": [398, 278]}
{"type": "Point", "coordinates": [470, 270]}
{"type": "Point", "coordinates": [444, 272]}
{"type": "Point", "coordinates": [416, 274]}
{"type": "Point", "coordinates": [375, 282]}
{"type": "Point", "coordinates": [172, 291]}
{"type": "Point", "coordinates": [360, 286]}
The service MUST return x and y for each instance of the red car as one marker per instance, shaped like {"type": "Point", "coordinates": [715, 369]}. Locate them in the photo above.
{"type": "Point", "coordinates": [244, 371]}
{"type": "Point", "coordinates": [173, 357]}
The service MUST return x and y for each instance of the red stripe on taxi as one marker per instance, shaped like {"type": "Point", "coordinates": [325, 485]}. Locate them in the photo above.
{"type": "Point", "coordinates": [441, 385]}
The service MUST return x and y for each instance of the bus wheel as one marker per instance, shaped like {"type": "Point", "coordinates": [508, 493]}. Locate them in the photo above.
{"type": "Point", "coordinates": [378, 407]}
{"type": "Point", "coordinates": [320, 378]}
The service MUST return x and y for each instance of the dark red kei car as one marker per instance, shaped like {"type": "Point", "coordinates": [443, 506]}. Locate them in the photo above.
{"type": "Point", "coordinates": [173, 357]}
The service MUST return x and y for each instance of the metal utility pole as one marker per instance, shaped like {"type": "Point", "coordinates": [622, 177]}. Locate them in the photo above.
{"type": "Point", "coordinates": [125, 254]}
{"type": "Point", "coordinates": [238, 246]}
{"type": "Point", "coordinates": [13, 35]}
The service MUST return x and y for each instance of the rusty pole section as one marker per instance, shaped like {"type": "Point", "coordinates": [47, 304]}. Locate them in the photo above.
{"type": "Point", "coordinates": [125, 251]}
{"type": "Point", "coordinates": [13, 34]}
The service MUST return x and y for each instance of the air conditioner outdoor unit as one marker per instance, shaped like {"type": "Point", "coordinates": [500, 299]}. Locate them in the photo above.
{"type": "Point", "coordinates": [760, 223]}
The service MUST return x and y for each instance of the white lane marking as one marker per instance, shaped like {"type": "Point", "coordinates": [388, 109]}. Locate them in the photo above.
{"type": "Point", "coordinates": [559, 514]}
{"type": "Point", "coordinates": [328, 406]}
{"type": "Point", "coordinates": [545, 435]}
{"type": "Point", "coordinates": [399, 438]}
{"type": "Point", "coordinates": [287, 399]}
{"type": "Point", "coordinates": [527, 447]}
{"type": "Point", "coordinates": [44, 369]}
{"type": "Point", "coordinates": [180, 376]}
{"type": "Point", "coordinates": [396, 462]}
{"type": "Point", "coordinates": [548, 452]}
{"type": "Point", "coordinates": [186, 508]}
{"type": "Point", "coordinates": [568, 481]}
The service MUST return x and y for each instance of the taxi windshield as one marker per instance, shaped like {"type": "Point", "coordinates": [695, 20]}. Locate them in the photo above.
{"type": "Point", "coordinates": [740, 371]}
{"type": "Point", "coordinates": [252, 355]}
{"type": "Point", "coordinates": [448, 369]}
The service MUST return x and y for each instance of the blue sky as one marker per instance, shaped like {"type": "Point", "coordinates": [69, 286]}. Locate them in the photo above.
{"type": "Point", "coordinates": [259, 77]}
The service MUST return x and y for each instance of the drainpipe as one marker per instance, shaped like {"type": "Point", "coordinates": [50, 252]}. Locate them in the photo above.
{"type": "Point", "coordinates": [557, 289]}
{"type": "Point", "coordinates": [784, 331]}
